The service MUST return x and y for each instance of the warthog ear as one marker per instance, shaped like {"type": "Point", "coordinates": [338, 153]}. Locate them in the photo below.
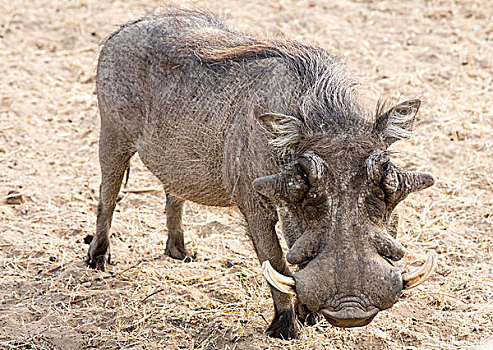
{"type": "Point", "coordinates": [397, 123]}
{"type": "Point", "coordinates": [285, 129]}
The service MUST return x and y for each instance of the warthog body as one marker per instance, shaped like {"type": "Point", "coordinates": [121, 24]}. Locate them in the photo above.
{"type": "Point", "coordinates": [273, 127]}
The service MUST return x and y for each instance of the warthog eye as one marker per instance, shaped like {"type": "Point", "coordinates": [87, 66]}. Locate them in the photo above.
{"type": "Point", "coordinates": [302, 173]}
{"type": "Point", "coordinates": [389, 181]}
{"type": "Point", "coordinates": [385, 171]}
{"type": "Point", "coordinates": [378, 199]}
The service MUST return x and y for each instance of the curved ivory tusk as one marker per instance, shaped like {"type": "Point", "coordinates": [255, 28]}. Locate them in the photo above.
{"type": "Point", "coordinates": [280, 282]}
{"type": "Point", "coordinates": [418, 276]}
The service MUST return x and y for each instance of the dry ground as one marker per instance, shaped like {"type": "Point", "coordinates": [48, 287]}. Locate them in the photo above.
{"type": "Point", "coordinates": [441, 51]}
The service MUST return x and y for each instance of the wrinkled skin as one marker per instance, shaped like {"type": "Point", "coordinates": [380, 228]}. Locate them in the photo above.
{"type": "Point", "coordinates": [273, 128]}
{"type": "Point", "coordinates": [346, 274]}
{"type": "Point", "coordinates": [336, 224]}
{"type": "Point", "coordinates": [336, 202]}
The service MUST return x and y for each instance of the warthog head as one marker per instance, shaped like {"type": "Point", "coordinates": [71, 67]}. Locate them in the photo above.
{"type": "Point", "coordinates": [336, 202]}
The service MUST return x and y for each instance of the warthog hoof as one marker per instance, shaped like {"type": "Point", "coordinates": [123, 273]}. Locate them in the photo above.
{"type": "Point", "coordinates": [305, 315]}
{"type": "Point", "coordinates": [98, 259]}
{"type": "Point", "coordinates": [283, 326]}
{"type": "Point", "coordinates": [98, 255]}
{"type": "Point", "coordinates": [98, 262]}
{"type": "Point", "coordinates": [178, 253]}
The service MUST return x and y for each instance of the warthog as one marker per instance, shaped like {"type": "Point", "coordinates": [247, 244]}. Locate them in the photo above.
{"type": "Point", "coordinates": [275, 128]}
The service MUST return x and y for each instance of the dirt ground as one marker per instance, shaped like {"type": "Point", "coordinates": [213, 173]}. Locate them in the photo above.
{"type": "Point", "coordinates": [440, 51]}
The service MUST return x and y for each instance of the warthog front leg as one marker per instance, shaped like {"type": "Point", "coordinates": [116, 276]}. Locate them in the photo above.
{"type": "Point", "coordinates": [303, 313]}
{"type": "Point", "coordinates": [261, 227]}
{"type": "Point", "coordinates": [175, 245]}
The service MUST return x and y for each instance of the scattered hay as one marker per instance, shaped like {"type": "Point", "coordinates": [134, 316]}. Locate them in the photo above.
{"type": "Point", "coordinates": [48, 157]}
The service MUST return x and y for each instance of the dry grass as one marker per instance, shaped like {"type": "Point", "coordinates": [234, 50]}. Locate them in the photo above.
{"type": "Point", "coordinates": [439, 50]}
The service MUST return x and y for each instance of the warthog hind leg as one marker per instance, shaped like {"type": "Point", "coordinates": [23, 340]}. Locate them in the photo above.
{"type": "Point", "coordinates": [114, 157]}
{"type": "Point", "coordinates": [175, 245]}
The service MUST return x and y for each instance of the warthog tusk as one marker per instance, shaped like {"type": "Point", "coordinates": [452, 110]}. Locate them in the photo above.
{"type": "Point", "coordinates": [280, 282]}
{"type": "Point", "coordinates": [418, 276]}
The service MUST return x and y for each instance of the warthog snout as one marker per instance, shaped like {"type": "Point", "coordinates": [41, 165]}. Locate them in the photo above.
{"type": "Point", "coordinates": [351, 314]}
{"type": "Point", "coordinates": [350, 310]}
